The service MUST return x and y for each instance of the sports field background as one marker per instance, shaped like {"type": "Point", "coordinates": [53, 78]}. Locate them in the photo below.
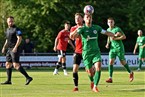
{"type": "Point", "coordinates": [47, 85]}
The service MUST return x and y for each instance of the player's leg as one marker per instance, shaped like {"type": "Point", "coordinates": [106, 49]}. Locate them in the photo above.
{"type": "Point", "coordinates": [58, 64]}
{"type": "Point", "coordinates": [97, 64]}
{"type": "Point", "coordinates": [91, 73]}
{"type": "Point", "coordinates": [77, 60]}
{"type": "Point", "coordinates": [112, 57]}
{"type": "Point", "coordinates": [97, 76]}
{"type": "Point", "coordinates": [64, 65]}
{"type": "Point", "coordinates": [17, 66]}
{"type": "Point", "coordinates": [140, 64]}
{"type": "Point", "coordinates": [63, 62]}
{"type": "Point", "coordinates": [9, 73]}
{"type": "Point", "coordinates": [141, 56]}
{"type": "Point", "coordinates": [123, 62]}
{"type": "Point", "coordinates": [8, 65]}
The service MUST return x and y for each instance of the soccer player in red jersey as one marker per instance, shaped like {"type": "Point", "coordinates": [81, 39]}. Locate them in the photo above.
{"type": "Point", "coordinates": [78, 49]}
{"type": "Point", "coordinates": [60, 46]}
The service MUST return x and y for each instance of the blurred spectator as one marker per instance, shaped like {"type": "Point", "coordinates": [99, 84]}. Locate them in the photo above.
{"type": "Point", "coordinates": [27, 47]}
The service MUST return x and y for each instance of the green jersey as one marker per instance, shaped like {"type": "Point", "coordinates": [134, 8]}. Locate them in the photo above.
{"type": "Point", "coordinates": [140, 41]}
{"type": "Point", "coordinates": [116, 45]}
{"type": "Point", "coordinates": [89, 37]}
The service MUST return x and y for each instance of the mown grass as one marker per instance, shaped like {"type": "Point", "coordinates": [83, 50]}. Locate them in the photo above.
{"type": "Point", "coordinates": [47, 85]}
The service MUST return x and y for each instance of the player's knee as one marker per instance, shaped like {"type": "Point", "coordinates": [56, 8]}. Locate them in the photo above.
{"type": "Point", "coordinates": [16, 65]}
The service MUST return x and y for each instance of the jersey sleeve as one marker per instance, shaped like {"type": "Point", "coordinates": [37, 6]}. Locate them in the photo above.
{"type": "Point", "coordinates": [18, 32]}
{"type": "Point", "coordinates": [137, 40]}
{"type": "Point", "coordinates": [101, 30]}
{"type": "Point", "coordinates": [80, 30]}
{"type": "Point", "coordinates": [120, 30]}
{"type": "Point", "coordinates": [59, 35]}
{"type": "Point", "coordinates": [72, 29]}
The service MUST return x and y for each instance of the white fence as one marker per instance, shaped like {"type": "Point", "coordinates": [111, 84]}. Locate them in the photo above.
{"type": "Point", "coordinates": [50, 61]}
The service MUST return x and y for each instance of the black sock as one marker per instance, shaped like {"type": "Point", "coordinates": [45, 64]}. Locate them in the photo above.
{"type": "Point", "coordinates": [21, 69]}
{"type": "Point", "coordinates": [75, 78]}
{"type": "Point", "coordinates": [9, 74]}
{"type": "Point", "coordinates": [58, 65]}
{"type": "Point", "coordinates": [64, 65]}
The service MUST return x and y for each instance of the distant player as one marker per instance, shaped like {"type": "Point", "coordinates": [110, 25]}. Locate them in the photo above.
{"type": "Point", "coordinates": [140, 42]}
{"type": "Point", "coordinates": [91, 51]}
{"type": "Point", "coordinates": [116, 49]}
{"type": "Point", "coordinates": [60, 46]}
{"type": "Point", "coordinates": [78, 49]}
{"type": "Point", "coordinates": [12, 45]}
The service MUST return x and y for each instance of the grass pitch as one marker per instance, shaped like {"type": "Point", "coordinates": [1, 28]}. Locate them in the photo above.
{"type": "Point", "coordinates": [47, 85]}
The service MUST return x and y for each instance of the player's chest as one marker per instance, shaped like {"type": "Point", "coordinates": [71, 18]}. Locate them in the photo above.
{"type": "Point", "coordinates": [11, 32]}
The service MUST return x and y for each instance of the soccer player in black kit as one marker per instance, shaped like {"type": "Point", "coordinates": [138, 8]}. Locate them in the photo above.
{"type": "Point", "coordinates": [13, 40]}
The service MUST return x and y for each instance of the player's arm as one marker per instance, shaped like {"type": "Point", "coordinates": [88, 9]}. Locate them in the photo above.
{"type": "Point", "coordinates": [143, 46]}
{"type": "Point", "coordinates": [119, 36]}
{"type": "Point", "coordinates": [55, 44]}
{"type": "Point", "coordinates": [136, 46]}
{"type": "Point", "coordinates": [107, 33]}
{"type": "Point", "coordinates": [108, 42]}
{"type": "Point", "coordinates": [74, 34]}
{"type": "Point", "coordinates": [19, 40]}
{"type": "Point", "coordinates": [70, 42]}
{"type": "Point", "coordinates": [4, 46]}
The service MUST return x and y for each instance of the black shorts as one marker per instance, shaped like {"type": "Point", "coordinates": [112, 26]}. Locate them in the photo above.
{"type": "Point", "coordinates": [77, 58]}
{"type": "Point", "coordinates": [11, 56]}
{"type": "Point", "coordinates": [61, 53]}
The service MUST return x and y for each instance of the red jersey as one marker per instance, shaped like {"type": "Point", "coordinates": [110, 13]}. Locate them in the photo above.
{"type": "Point", "coordinates": [63, 37]}
{"type": "Point", "coordinates": [78, 41]}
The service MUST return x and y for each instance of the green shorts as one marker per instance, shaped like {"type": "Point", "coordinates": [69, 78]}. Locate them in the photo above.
{"type": "Point", "coordinates": [89, 58]}
{"type": "Point", "coordinates": [142, 54]}
{"type": "Point", "coordinates": [117, 53]}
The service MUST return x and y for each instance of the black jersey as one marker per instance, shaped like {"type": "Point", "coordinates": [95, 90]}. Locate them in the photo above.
{"type": "Point", "coordinates": [11, 36]}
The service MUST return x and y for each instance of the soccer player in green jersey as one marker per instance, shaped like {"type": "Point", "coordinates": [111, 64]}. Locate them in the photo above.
{"type": "Point", "coordinates": [140, 42]}
{"type": "Point", "coordinates": [91, 51]}
{"type": "Point", "coordinates": [116, 49]}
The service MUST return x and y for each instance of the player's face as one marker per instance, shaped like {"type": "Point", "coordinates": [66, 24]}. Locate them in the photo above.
{"type": "Point", "coordinates": [67, 26]}
{"type": "Point", "coordinates": [10, 22]}
{"type": "Point", "coordinates": [78, 19]}
{"type": "Point", "coordinates": [88, 19]}
{"type": "Point", "coordinates": [110, 23]}
{"type": "Point", "coordinates": [139, 33]}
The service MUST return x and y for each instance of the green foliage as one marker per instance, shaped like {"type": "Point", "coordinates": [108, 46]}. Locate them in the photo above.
{"type": "Point", "coordinates": [41, 20]}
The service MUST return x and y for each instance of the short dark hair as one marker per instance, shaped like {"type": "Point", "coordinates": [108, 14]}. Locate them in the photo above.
{"type": "Point", "coordinates": [66, 22]}
{"type": "Point", "coordinates": [11, 17]}
{"type": "Point", "coordinates": [110, 18]}
{"type": "Point", "coordinates": [80, 14]}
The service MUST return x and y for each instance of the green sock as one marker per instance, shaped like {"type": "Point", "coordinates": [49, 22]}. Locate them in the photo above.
{"type": "Point", "coordinates": [91, 78]}
{"type": "Point", "coordinates": [127, 68]}
{"type": "Point", "coordinates": [140, 63]}
{"type": "Point", "coordinates": [97, 77]}
{"type": "Point", "coordinates": [110, 67]}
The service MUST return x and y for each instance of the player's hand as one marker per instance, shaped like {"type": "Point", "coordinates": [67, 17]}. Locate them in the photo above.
{"type": "Point", "coordinates": [55, 49]}
{"type": "Point", "coordinates": [112, 38]}
{"type": "Point", "coordinates": [14, 50]}
{"type": "Point", "coordinates": [134, 52]}
{"type": "Point", "coordinates": [107, 46]}
{"type": "Point", "coordinates": [3, 50]}
{"type": "Point", "coordinates": [142, 46]}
